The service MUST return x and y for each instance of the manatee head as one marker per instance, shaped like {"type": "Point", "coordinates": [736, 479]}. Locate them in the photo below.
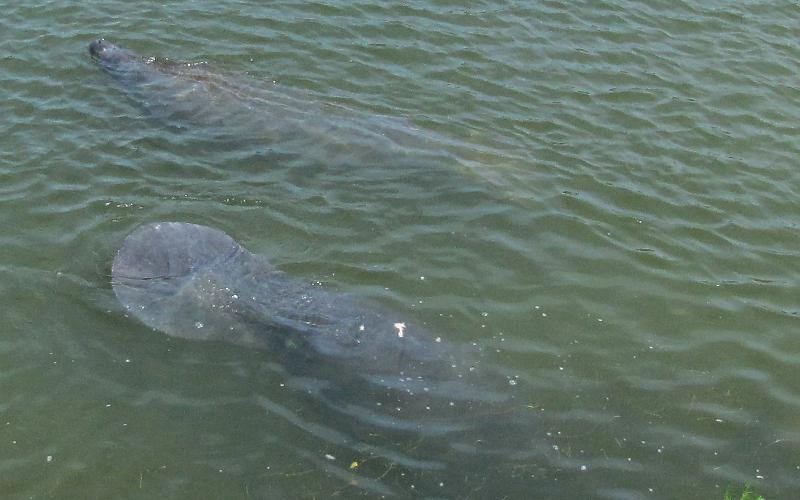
{"type": "Point", "coordinates": [109, 55]}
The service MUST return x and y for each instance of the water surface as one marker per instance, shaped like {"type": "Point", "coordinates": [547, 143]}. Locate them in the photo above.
{"type": "Point", "coordinates": [618, 234]}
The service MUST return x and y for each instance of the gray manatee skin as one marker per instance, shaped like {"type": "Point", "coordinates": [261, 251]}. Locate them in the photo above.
{"type": "Point", "coordinates": [180, 93]}
{"type": "Point", "coordinates": [197, 282]}
{"type": "Point", "coordinates": [252, 115]}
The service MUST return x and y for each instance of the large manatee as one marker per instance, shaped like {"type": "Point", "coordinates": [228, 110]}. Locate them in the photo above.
{"type": "Point", "coordinates": [197, 282]}
{"type": "Point", "coordinates": [292, 124]}
{"type": "Point", "coordinates": [383, 378]}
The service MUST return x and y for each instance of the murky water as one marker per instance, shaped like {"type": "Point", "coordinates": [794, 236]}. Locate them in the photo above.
{"type": "Point", "coordinates": [599, 200]}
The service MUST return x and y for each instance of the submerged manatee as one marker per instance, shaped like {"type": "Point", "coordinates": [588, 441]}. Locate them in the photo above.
{"type": "Point", "coordinates": [239, 112]}
{"type": "Point", "coordinates": [197, 282]}
{"type": "Point", "coordinates": [395, 391]}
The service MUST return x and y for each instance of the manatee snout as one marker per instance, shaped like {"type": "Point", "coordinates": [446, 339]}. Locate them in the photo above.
{"type": "Point", "coordinates": [97, 47]}
{"type": "Point", "coordinates": [109, 54]}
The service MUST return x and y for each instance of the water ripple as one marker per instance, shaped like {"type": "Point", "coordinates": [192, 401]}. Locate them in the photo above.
{"type": "Point", "coordinates": [600, 196]}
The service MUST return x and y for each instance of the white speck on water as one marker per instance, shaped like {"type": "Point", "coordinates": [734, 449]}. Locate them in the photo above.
{"type": "Point", "coordinates": [583, 467]}
{"type": "Point", "coordinates": [361, 328]}
{"type": "Point", "coordinates": [544, 315]}
{"type": "Point", "coordinates": [438, 339]}
{"type": "Point", "coordinates": [127, 360]}
{"type": "Point", "coordinates": [484, 314]}
{"type": "Point", "coordinates": [422, 278]}
{"type": "Point", "coordinates": [108, 405]}
{"type": "Point", "coordinates": [329, 456]}
{"type": "Point", "coordinates": [198, 325]}
{"type": "Point", "coordinates": [234, 296]}
{"type": "Point", "coordinates": [401, 328]}
{"type": "Point", "coordinates": [49, 458]}
{"type": "Point", "coordinates": [512, 382]}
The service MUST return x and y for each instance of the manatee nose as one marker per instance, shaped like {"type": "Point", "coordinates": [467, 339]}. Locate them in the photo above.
{"type": "Point", "coordinates": [96, 47]}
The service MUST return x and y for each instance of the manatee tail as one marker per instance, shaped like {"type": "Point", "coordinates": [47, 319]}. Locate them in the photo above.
{"type": "Point", "coordinates": [165, 250]}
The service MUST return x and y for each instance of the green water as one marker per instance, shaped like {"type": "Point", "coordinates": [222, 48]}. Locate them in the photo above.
{"type": "Point", "coordinates": [621, 236]}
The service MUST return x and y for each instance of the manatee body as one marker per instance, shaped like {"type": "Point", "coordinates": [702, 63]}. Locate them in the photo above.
{"type": "Point", "coordinates": [392, 390]}
{"type": "Point", "coordinates": [197, 282]}
{"type": "Point", "coordinates": [214, 106]}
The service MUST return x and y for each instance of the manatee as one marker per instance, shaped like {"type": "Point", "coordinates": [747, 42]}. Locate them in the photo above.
{"type": "Point", "coordinates": [393, 389]}
{"type": "Point", "coordinates": [246, 114]}
{"type": "Point", "coordinates": [196, 282]}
